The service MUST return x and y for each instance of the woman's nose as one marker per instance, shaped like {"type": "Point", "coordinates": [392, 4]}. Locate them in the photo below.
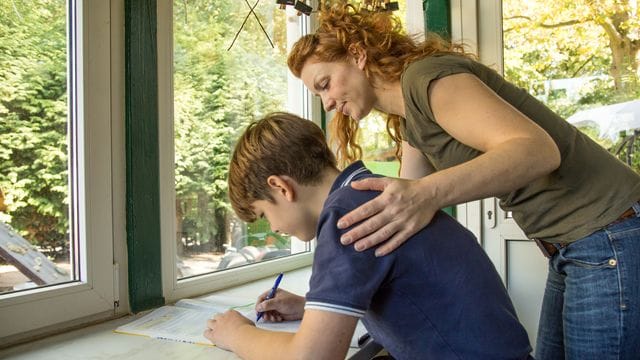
{"type": "Point", "coordinates": [329, 104]}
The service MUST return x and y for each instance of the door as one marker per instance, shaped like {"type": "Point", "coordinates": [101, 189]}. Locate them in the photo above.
{"type": "Point", "coordinates": [519, 262]}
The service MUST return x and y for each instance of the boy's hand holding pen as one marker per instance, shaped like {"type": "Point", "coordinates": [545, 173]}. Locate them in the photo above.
{"type": "Point", "coordinates": [271, 294]}
{"type": "Point", "coordinates": [279, 305]}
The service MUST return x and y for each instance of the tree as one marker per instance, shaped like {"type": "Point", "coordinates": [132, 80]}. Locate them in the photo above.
{"type": "Point", "coordinates": [592, 25]}
{"type": "Point", "coordinates": [218, 90]}
{"type": "Point", "coordinates": [33, 121]}
{"type": "Point", "coordinates": [592, 43]}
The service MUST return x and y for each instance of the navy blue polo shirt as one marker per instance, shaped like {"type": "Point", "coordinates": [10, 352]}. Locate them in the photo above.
{"type": "Point", "coordinates": [438, 296]}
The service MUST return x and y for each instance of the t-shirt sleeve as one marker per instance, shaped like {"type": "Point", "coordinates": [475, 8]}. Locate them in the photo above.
{"type": "Point", "coordinates": [343, 280]}
{"type": "Point", "coordinates": [419, 75]}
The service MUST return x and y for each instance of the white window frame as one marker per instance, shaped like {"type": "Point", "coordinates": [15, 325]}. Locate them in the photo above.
{"type": "Point", "coordinates": [300, 102]}
{"type": "Point", "coordinates": [39, 311]}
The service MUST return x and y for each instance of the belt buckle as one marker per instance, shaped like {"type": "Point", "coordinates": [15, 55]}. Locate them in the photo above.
{"type": "Point", "coordinates": [542, 248]}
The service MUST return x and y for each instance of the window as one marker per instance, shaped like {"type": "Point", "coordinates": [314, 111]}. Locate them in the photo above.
{"type": "Point", "coordinates": [35, 218]}
{"type": "Point", "coordinates": [580, 58]}
{"type": "Point", "coordinates": [60, 102]}
{"type": "Point", "coordinates": [226, 66]}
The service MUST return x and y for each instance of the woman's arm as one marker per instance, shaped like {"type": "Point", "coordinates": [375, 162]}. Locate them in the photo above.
{"type": "Point", "coordinates": [322, 335]}
{"type": "Point", "coordinates": [515, 150]}
{"type": "Point", "coordinates": [414, 163]}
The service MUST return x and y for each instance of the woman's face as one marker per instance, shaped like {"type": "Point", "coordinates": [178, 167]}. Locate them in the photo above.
{"type": "Point", "coordinates": [343, 86]}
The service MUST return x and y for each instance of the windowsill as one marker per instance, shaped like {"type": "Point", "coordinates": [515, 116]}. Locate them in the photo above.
{"type": "Point", "coordinates": [100, 342]}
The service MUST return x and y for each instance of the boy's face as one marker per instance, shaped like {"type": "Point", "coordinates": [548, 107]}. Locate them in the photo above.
{"type": "Point", "coordinates": [287, 217]}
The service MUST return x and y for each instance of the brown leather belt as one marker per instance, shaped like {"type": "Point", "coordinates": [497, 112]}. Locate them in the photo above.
{"type": "Point", "coordinates": [549, 249]}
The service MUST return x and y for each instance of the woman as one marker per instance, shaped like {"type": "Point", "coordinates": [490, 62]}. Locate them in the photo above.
{"type": "Point", "coordinates": [464, 133]}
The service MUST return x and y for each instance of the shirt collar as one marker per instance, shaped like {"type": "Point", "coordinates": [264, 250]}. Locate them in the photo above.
{"type": "Point", "coordinates": [353, 172]}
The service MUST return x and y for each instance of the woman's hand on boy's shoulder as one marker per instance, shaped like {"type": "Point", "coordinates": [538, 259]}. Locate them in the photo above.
{"type": "Point", "coordinates": [401, 210]}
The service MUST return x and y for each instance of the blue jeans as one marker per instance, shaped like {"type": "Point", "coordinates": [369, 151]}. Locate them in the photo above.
{"type": "Point", "coordinates": [591, 305]}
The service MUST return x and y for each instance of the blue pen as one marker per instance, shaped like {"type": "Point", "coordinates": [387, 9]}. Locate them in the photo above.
{"type": "Point", "coordinates": [272, 293]}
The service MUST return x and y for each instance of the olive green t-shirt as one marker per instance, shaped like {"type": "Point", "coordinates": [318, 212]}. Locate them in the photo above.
{"type": "Point", "coordinates": [589, 190]}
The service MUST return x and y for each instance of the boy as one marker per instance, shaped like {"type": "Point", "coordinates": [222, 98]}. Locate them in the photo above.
{"type": "Point", "coordinates": [438, 296]}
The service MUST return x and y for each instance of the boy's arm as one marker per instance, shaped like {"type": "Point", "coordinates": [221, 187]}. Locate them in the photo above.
{"type": "Point", "coordinates": [322, 335]}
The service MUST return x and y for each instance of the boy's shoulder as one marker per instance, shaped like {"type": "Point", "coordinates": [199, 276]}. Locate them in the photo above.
{"type": "Point", "coordinates": [349, 198]}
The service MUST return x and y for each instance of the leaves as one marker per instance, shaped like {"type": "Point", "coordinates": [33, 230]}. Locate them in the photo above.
{"type": "Point", "coordinates": [563, 39]}
{"type": "Point", "coordinates": [33, 120]}
{"type": "Point", "coordinates": [574, 54]}
{"type": "Point", "coordinates": [216, 94]}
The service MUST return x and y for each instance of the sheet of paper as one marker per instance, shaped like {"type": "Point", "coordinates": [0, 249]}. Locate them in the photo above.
{"type": "Point", "coordinates": [171, 323]}
{"type": "Point", "coordinates": [185, 321]}
{"type": "Point", "coordinates": [247, 309]}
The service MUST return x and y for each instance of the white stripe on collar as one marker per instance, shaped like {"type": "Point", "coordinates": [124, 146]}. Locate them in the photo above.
{"type": "Point", "coordinates": [352, 175]}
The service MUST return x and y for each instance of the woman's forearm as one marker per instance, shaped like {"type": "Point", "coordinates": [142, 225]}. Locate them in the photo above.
{"type": "Point", "coordinates": [506, 168]}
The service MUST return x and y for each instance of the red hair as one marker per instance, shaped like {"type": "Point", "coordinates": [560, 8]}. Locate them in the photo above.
{"type": "Point", "coordinates": [389, 51]}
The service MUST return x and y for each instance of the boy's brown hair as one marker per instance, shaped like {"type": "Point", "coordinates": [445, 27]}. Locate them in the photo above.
{"type": "Point", "coordinates": [279, 144]}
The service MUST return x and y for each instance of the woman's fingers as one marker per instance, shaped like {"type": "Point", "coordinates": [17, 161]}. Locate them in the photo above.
{"type": "Point", "coordinates": [378, 232]}
{"type": "Point", "coordinates": [389, 219]}
{"type": "Point", "coordinates": [378, 184]}
{"type": "Point", "coordinates": [366, 210]}
{"type": "Point", "coordinates": [396, 240]}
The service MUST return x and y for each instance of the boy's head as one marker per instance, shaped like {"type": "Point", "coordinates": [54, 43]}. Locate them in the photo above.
{"type": "Point", "coordinates": [280, 144]}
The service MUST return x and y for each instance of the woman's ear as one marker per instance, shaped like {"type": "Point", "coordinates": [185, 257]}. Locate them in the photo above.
{"type": "Point", "coordinates": [358, 55]}
{"type": "Point", "coordinates": [282, 186]}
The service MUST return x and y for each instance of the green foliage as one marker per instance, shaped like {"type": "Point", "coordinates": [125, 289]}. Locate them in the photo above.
{"type": "Point", "coordinates": [386, 168]}
{"type": "Point", "coordinates": [567, 39]}
{"type": "Point", "coordinates": [595, 42]}
{"type": "Point", "coordinates": [260, 235]}
{"type": "Point", "coordinates": [33, 120]}
{"type": "Point", "coordinates": [269, 238]}
{"type": "Point", "coordinates": [217, 92]}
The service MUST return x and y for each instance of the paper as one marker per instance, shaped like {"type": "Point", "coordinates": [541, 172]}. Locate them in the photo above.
{"type": "Point", "coordinates": [186, 320]}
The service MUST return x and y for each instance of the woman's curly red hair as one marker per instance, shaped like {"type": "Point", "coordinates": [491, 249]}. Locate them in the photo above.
{"type": "Point", "coordinates": [389, 50]}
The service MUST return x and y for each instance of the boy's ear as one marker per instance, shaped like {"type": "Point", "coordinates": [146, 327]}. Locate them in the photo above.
{"type": "Point", "coordinates": [282, 185]}
{"type": "Point", "coordinates": [358, 55]}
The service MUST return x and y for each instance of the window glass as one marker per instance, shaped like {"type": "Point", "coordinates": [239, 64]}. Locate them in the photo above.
{"type": "Point", "coordinates": [378, 150]}
{"type": "Point", "coordinates": [35, 237]}
{"type": "Point", "coordinates": [229, 63]}
{"type": "Point", "coordinates": [581, 59]}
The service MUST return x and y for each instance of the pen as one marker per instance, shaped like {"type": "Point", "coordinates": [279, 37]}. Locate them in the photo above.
{"type": "Point", "coordinates": [272, 293]}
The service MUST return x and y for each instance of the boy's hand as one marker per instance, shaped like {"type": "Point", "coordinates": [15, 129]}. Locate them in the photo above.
{"type": "Point", "coordinates": [223, 328]}
{"type": "Point", "coordinates": [283, 306]}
